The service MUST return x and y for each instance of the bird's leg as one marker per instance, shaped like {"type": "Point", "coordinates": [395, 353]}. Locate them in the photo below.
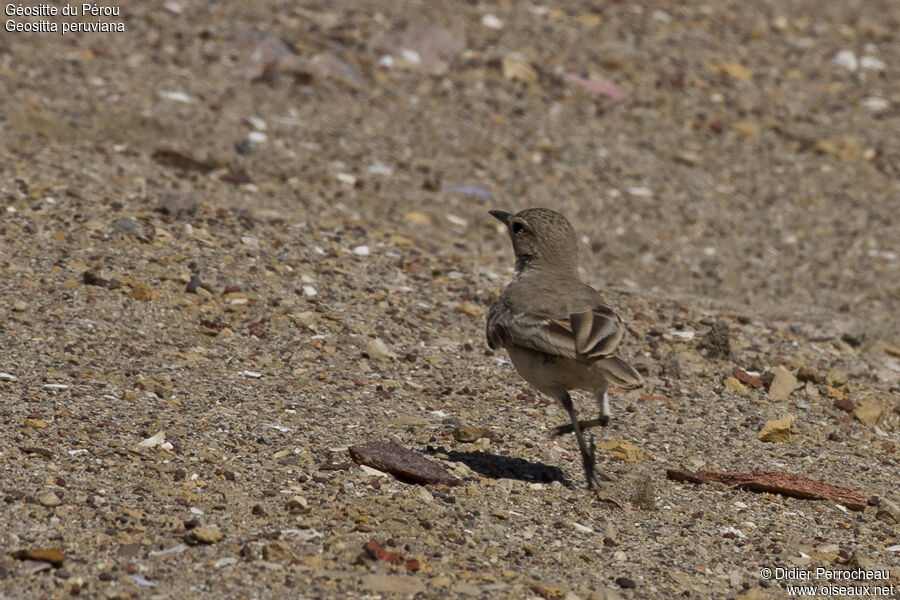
{"type": "Point", "coordinates": [587, 455]}
{"type": "Point", "coordinates": [602, 395]}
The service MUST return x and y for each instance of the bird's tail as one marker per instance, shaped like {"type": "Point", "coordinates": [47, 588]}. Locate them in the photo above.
{"type": "Point", "coordinates": [619, 373]}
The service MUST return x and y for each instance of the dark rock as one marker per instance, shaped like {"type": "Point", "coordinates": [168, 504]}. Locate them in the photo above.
{"type": "Point", "coordinates": [402, 463]}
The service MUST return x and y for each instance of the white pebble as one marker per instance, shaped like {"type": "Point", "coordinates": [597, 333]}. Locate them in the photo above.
{"type": "Point", "coordinates": [309, 290]}
{"type": "Point", "coordinates": [252, 374]}
{"type": "Point", "coordinates": [846, 59]}
{"type": "Point", "coordinates": [361, 250]}
{"type": "Point", "coordinates": [491, 22]}
{"type": "Point", "coordinates": [153, 441]}
{"type": "Point", "coordinates": [642, 192]}
{"type": "Point", "coordinates": [176, 97]}
{"type": "Point", "coordinates": [257, 123]}
{"type": "Point", "coordinates": [386, 61]}
{"type": "Point", "coordinates": [257, 137]}
{"type": "Point", "coordinates": [872, 64]}
{"type": "Point", "coordinates": [346, 178]}
{"type": "Point", "coordinates": [582, 528]}
{"type": "Point", "coordinates": [8, 377]}
{"type": "Point", "coordinates": [411, 56]}
{"type": "Point", "coordinates": [875, 104]}
{"type": "Point", "coordinates": [56, 386]}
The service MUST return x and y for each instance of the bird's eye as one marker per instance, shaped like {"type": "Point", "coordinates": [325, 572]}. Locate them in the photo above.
{"type": "Point", "coordinates": [517, 227]}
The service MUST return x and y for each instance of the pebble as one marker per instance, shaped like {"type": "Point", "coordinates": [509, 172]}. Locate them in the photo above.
{"type": "Point", "coordinates": [625, 583]}
{"type": "Point", "coordinates": [153, 441]}
{"type": "Point", "coordinates": [378, 350]}
{"type": "Point", "coordinates": [297, 503]}
{"type": "Point", "coordinates": [777, 431]}
{"type": "Point", "coordinates": [8, 377]}
{"type": "Point", "coordinates": [20, 306]}
{"type": "Point", "coordinates": [491, 22]}
{"type": "Point", "coordinates": [206, 535]}
{"type": "Point", "coordinates": [868, 412]}
{"type": "Point", "coordinates": [361, 251]}
{"type": "Point", "coordinates": [278, 552]}
{"type": "Point", "coordinates": [49, 499]}
{"type": "Point", "coordinates": [846, 59]}
{"type": "Point", "coordinates": [732, 383]}
{"type": "Point", "coordinates": [783, 383]}
{"type": "Point", "coordinates": [888, 512]}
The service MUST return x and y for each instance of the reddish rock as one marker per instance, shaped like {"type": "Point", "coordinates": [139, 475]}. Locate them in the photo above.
{"type": "Point", "coordinates": [402, 463]}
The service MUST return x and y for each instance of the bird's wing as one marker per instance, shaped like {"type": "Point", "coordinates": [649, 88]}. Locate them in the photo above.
{"type": "Point", "coordinates": [590, 335]}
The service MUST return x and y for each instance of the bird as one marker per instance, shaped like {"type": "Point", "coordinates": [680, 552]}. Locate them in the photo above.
{"type": "Point", "coordinates": [558, 331]}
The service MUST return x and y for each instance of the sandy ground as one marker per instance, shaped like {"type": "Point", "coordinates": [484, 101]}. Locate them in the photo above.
{"type": "Point", "coordinates": [318, 175]}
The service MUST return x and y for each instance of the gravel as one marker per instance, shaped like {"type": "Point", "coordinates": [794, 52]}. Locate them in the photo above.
{"type": "Point", "coordinates": [238, 242]}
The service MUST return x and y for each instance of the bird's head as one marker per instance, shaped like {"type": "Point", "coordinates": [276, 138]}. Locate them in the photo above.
{"type": "Point", "coordinates": [541, 238]}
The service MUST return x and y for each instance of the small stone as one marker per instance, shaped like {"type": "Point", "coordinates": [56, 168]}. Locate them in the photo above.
{"type": "Point", "coordinates": [846, 59]}
{"type": "Point", "coordinates": [362, 251]}
{"type": "Point", "coordinates": [783, 383]}
{"type": "Point", "coordinates": [36, 423]}
{"type": "Point", "coordinates": [625, 583]}
{"type": "Point", "coordinates": [417, 218]}
{"type": "Point", "coordinates": [469, 433]}
{"type": "Point", "coordinates": [845, 404]}
{"type": "Point", "coordinates": [250, 241]}
{"type": "Point", "coordinates": [49, 499]}
{"type": "Point", "coordinates": [278, 552]}
{"type": "Point", "coordinates": [20, 306]}
{"type": "Point", "coordinates": [869, 412]}
{"type": "Point", "coordinates": [515, 67]}
{"type": "Point", "coordinates": [735, 70]}
{"type": "Point", "coordinates": [205, 535]}
{"type": "Point", "coordinates": [54, 556]}
{"type": "Point", "coordinates": [888, 511]}
{"type": "Point", "coordinates": [777, 431]}
{"type": "Point", "coordinates": [746, 129]}
{"type": "Point", "coordinates": [298, 503]}
{"type": "Point", "coordinates": [378, 350]}
{"type": "Point", "coordinates": [141, 292]}
{"type": "Point", "coordinates": [471, 309]}
{"type": "Point", "coordinates": [836, 378]}
{"type": "Point", "coordinates": [732, 383]}
{"type": "Point", "coordinates": [491, 22]}
{"type": "Point", "coordinates": [623, 450]}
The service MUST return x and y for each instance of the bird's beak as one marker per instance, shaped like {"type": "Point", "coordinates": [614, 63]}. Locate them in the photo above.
{"type": "Point", "coordinates": [501, 216]}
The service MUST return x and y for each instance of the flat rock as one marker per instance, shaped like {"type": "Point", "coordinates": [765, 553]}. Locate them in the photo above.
{"type": "Point", "coordinates": [49, 499]}
{"type": "Point", "coordinates": [868, 412]}
{"type": "Point", "coordinates": [402, 463]}
{"type": "Point", "coordinates": [783, 383]}
{"type": "Point", "coordinates": [777, 431]}
{"type": "Point", "coordinates": [206, 535]}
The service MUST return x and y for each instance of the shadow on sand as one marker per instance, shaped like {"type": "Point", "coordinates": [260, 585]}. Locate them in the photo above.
{"type": "Point", "coordinates": [504, 467]}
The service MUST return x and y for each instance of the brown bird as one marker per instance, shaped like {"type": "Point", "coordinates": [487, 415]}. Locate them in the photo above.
{"type": "Point", "coordinates": [558, 331]}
